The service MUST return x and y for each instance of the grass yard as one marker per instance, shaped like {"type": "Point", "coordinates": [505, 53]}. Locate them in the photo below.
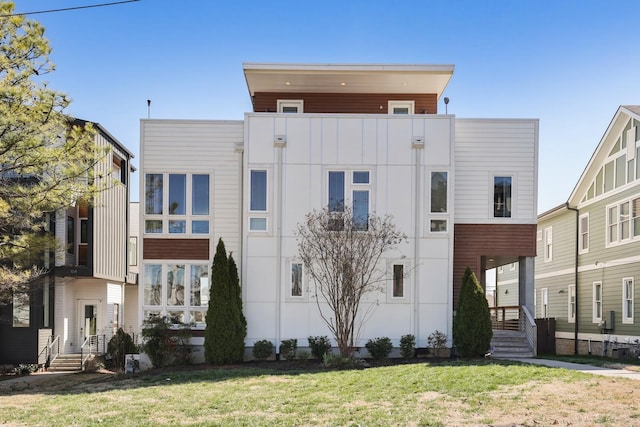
{"type": "Point", "coordinates": [421, 394]}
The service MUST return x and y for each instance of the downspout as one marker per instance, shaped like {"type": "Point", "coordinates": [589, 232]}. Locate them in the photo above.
{"type": "Point", "coordinates": [417, 145]}
{"type": "Point", "coordinates": [575, 279]}
{"type": "Point", "coordinates": [279, 143]}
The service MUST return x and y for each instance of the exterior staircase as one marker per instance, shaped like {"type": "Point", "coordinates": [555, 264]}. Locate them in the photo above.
{"type": "Point", "coordinates": [70, 362]}
{"type": "Point", "coordinates": [510, 345]}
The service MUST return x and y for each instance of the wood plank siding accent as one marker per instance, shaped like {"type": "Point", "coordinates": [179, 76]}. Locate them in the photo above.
{"type": "Point", "coordinates": [187, 249]}
{"type": "Point", "coordinates": [473, 241]}
{"type": "Point", "coordinates": [345, 103]}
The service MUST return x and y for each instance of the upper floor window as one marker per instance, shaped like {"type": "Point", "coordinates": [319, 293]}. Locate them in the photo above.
{"type": "Point", "coordinates": [359, 187]}
{"type": "Point", "coordinates": [548, 244]}
{"type": "Point", "coordinates": [398, 280]}
{"type": "Point", "coordinates": [296, 279]}
{"type": "Point", "coordinates": [118, 169]}
{"type": "Point", "coordinates": [290, 106]}
{"type": "Point", "coordinates": [187, 203]}
{"type": "Point", "coordinates": [544, 302]}
{"type": "Point", "coordinates": [583, 232]}
{"type": "Point", "coordinates": [502, 186]}
{"type": "Point", "coordinates": [623, 221]}
{"type": "Point", "coordinates": [401, 107]}
{"type": "Point", "coordinates": [258, 200]}
{"type": "Point", "coordinates": [71, 235]}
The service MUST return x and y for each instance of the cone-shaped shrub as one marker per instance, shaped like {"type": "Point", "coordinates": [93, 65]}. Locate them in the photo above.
{"type": "Point", "coordinates": [219, 336]}
{"type": "Point", "coordinates": [239, 320]}
{"type": "Point", "coordinates": [472, 323]}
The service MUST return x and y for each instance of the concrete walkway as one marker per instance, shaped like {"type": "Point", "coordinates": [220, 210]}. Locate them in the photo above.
{"type": "Point", "coordinates": [608, 372]}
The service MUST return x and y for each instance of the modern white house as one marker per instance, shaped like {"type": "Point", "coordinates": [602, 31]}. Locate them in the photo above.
{"type": "Point", "coordinates": [464, 191]}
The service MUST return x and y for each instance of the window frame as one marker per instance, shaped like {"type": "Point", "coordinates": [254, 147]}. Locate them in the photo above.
{"type": "Point", "coordinates": [281, 104]}
{"type": "Point", "coordinates": [596, 313]}
{"type": "Point", "coordinates": [179, 225]}
{"type": "Point", "coordinates": [547, 242]}
{"type": "Point", "coordinates": [616, 221]}
{"type": "Point", "coordinates": [582, 234]}
{"type": "Point", "coordinates": [349, 190]}
{"type": "Point", "coordinates": [627, 315]}
{"type": "Point", "coordinates": [261, 215]}
{"type": "Point", "coordinates": [438, 217]}
{"type": "Point", "coordinates": [410, 105]}
{"type": "Point", "coordinates": [544, 302]}
{"type": "Point", "coordinates": [512, 202]}
{"type": "Point", "coordinates": [571, 304]}
{"type": "Point", "coordinates": [406, 280]}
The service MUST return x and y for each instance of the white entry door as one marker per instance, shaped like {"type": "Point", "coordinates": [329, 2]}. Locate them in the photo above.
{"type": "Point", "coordinates": [88, 318]}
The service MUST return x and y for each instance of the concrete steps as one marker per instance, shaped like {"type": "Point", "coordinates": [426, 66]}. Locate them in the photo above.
{"type": "Point", "coordinates": [66, 363]}
{"type": "Point", "coordinates": [510, 345]}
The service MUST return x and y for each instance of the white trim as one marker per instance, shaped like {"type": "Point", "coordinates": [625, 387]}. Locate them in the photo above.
{"type": "Point", "coordinates": [298, 104]}
{"type": "Point", "coordinates": [548, 244]}
{"type": "Point", "coordinates": [594, 308]}
{"type": "Point", "coordinates": [409, 105]}
{"type": "Point", "coordinates": [582, 249]}
{"type": "Point", "coordinates": [627, 317]}
{"type": "Point", "coordinates": [491, 192]}
{"type": "Point", "coordinates": [406, 282]}
{"type": "Point", "coordinates": [571, 293]}
{"type": "Point", "coordinates": [288, 262]}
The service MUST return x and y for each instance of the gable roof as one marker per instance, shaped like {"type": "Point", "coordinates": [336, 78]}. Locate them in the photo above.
{"type": "Point", "coordinates": [601, 152]}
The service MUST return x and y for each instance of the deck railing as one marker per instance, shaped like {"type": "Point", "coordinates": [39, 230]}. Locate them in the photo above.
{"type": "Point", "coordinates": [515, 318]}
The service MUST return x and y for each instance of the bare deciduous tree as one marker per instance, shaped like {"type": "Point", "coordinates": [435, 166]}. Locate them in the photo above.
{"type": "Point", "coordinates": [342, 255]}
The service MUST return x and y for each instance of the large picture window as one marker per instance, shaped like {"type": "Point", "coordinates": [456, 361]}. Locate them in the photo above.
{"type": "Point", "coordinates": [179, 291]}
{"type": "Point", "coordinates": [623, 221]}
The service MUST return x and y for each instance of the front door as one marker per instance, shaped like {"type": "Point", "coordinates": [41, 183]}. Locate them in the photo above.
{"type": "Point", "coordinates": [88, 316]}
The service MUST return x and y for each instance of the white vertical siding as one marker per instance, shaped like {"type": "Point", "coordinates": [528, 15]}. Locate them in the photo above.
{"type": "Point", "coordinates": [488, 147]}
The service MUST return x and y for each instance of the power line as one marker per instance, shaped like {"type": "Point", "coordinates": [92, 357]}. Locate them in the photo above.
{"type": "Point", "coordinates": [70, 8]}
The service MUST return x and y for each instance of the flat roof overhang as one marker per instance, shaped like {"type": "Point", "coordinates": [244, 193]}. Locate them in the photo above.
{"type": "Point", "coordinates": [347, 78]}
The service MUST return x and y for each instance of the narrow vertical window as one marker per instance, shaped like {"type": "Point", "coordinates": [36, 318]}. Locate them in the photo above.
{"type": "Point", "coordinates": [175, 285]}
{"type": "Point", "coordinates": [296, 279]}
{"type": "Point", "coordinates": [200, 195]}
{"type": "Point", "coordinates": [133, 250]}
{"type": "Point", "coordinates": [336, 191]}
{"type": "Point", "coordinates": [153, 194]}
{"type": "Point", "coordinates": [584, 233]}
{"type": "Point", "coordinates": [635, 215]}
{"type": "Point", "coordinates": [438, 192]}
{"type": "Point", "coordinates": [502, 197]}
{"type": "Point", "coordinates": [398, 280]}
{"type": "Point", "coordinates": [71, 235]}
{"type": "Point", "coordinates": [612, 224]}
{"type": "Point", "coordinates": [597, 302]}
{"type": "Point", "coordinates": [624, 221]}
{"type": "Point", "coordinates": [258, 200]}
{"type": "Point", "coordinates": [548, 244]}
{"type": "Point", "coordinates": [177, 194]}
{"type": "Point", "coordinates": [627, 300]}
{"type": "Point", "coordinates": [152, 284]}
{"type": "Point", "coordinates": [361, 210]}
{"type": "Point", "coordinates": [571, 315]}
{"type": "Point", "coordinates": [545, 303]}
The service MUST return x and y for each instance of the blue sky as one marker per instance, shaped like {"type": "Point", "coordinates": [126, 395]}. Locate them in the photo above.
{"type": "Point", "coordinates": [569, 63]}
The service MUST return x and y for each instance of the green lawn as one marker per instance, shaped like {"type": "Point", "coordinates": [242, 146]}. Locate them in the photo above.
{"type": "Point", "coordinates": [423, 394]}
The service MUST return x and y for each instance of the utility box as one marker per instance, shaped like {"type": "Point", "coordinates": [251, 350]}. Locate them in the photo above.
{"type": "Point", "coordinates": [611, 321]}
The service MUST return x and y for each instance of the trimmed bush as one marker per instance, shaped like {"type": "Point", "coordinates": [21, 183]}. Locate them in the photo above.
{"type": "Point", "coordinates": [379, 348]}
{"type": "Point", "coordinates": [437, 341]}
{"type": "Point", "coordinates": [472, 323]}
{"type": "Point", "coordinates": [164, 343]}
{"type": "Point", "coordinates": [262, 349]}
{"type": "Point", "coordinates": [288, 349]}
{"type": "Point", "coordinates": [119, 345]}
{"type": "Point", "coordinates": [408, 346]}
{"type": "Point", "coordinates": [320, 345]}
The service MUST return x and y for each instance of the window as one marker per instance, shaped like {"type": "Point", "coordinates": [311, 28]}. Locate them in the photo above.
{"type": "Point", "coordinates": [258, 199]}
{"type": "Point", "coordinates": [438, 225]}
{"type": "Point", "coordinates": [290, 105]}
{"type": "Point", "coordinates": [71, 235]}
{"type": "Point", "coordinates": [438, 192]}
{"type": "Point", "coordinates": [583, 231]}
{"type": "Point", "coordinates": [623, 221]}
{"type": "Point", "coordinates": [627, 300]}
{"type": "Point", "coordinates": [571, 302]}
{"type": "Point", "coordinates": [21, 309]}
{"type": "Point", "coordinates": [359, 186]}
{"type": "Point", "coordinates": [118, 169]}
{"type": "Point", "coordinates": [179, 291]}
{"type": "Point", "coordinates": [544, 302]}
{"type": "Point", "coordinates": [401, 107]}
{"type": "Point", "coordinates": [548, 244]}
{"type": "Point", "coordinates": [186, 207]}
{"type": "Point", "coordinates": [296, 279]}
{"type": "Point", "coordinates": [597, 302]}
{"type": "Point", "coordinates": [398, 280]}
{"type": "Point", "coordinates": [133, 250]}
{"type": "Point", "coordinates": [502, 197]}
